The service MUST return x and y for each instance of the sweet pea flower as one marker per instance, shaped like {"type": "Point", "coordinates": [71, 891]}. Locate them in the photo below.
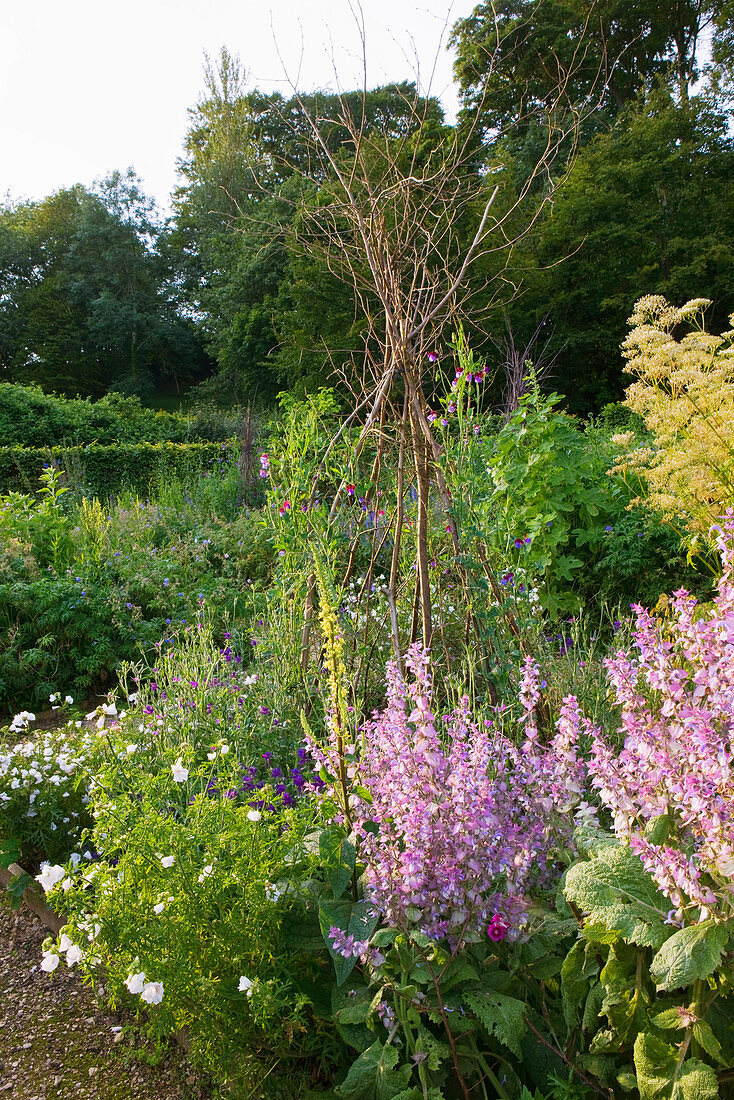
{"type": "Point", "coordinates": [245, 986]}
{"type": "Point", "coordinates": [135, 982]}
{"type": "Point", "coordinates": [74, 955]}
{"type": "Point", "coordinates": [152, 993]}
{"type": "Point", "coordinates": [50, 961]}
{"type": "Point", "coordinates": [180, 773]}
{"type": "Point", "coordinates": [50, 876]}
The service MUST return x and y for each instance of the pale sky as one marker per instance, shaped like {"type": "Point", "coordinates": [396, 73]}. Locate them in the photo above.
{"type": "Point", "coordinates": [88, 86]}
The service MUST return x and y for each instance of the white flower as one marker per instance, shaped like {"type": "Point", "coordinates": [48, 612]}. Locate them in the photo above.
{"type": "Point", "coordinates": [65, 943]}
{"type": "Point", "coordinates": [131, 749]}
{"type": "Point", "coordinates": [68, 699]}
{"type": "Point", "coordinates": [224, 749]}
{"type": "Point", "coordinates": [50, 875]}
{"type": "Point", "coordinates": [168, 861]}
{"type": "Point", "coordinates": [110, 710]}
{"type": "Point", "coordinates": [49, 961]}
{"type": "Point", "coordinates": [74, 955]}
{"type": "Point", "coordinates": [253, 815]}
{"type": "Point", "coordinates": [180, 773]}
{"type": "Point", "coordinates": [135, 982]}
{"type": "Point", "coordinates": [245, 986]}
{"type": "Point", "coordinates": [205, 872]}
{"type": "Point", "coordinates": [158, 909]}
{"type": "Point", "coordinates": [211, 755]}
{"type": "Point", "coordinates": [152, 993]}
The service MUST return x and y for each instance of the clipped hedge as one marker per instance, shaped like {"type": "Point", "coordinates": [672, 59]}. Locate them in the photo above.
{"type": "Point", "coordinates": [31, 418]}
{"type": "Point", "coordinates": [98, 470]}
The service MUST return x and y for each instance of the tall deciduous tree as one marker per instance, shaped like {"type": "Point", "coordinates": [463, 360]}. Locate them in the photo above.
{"type": "Point", "coordinates": [647, 208]}
{"type": "Point", "coordinates": [515, 58]}
{"type": "Point", "coordinates": [269, 312]}
{"type": "Point", "coordinates": [89, 302]}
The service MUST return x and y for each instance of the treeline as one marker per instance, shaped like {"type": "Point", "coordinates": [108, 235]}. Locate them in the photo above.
{"type": "Point", "coordinates": [602, 125]}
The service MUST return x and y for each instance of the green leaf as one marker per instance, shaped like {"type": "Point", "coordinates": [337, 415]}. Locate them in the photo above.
{"type": "Point", "coordinates": [17, 887]}
{"type": "Point", "coordinates": [689, 954]}
{"type": "Point", "coordinates": [374, 1076]}
{"type": "Point", "coordinates": [501, 1016]}
{"type": "Point", "coordinates": [338, 854]}
{"type": "Point", "coordinates": [616, 892]}
{"type": "Point", "coordinates": [579, 970]}
{"type": "Point", "coordinates": [659, 1077]}
{"type": "Point", "coordinates": [668, 1020]}
{"type": "Point", "coordinates": [357, 918]}
{"type": "Point", "coordinates": [9, 851]}
{"type": "Point", "coordinates": [704, 1036]}
{"type": "Point", "coordinates": [351, 1008]}
{"type": "Point", "coordinates": [658, 829]}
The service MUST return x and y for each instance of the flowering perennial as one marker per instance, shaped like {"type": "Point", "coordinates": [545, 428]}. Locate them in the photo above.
{"type": "Point", "coordinates": [466, 821]}
{"type": "Point", "coordinates": [677, 715]}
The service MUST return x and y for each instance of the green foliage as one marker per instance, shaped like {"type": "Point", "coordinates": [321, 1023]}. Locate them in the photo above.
{"type": "Point", "coordinates": [650, 196]}
{"type": "Point", "coordinates": [89, 302]}
{"type": "Point", "coordinates": [616, 892]}
{"type": "Point", "coordinates": [689, 954]}
{"type": "Point", "coordinates": [102, 470]}
{"type": "Point", "coordinates": [31, 418]}
{"type": "Point", "coordinates": [631, 978]}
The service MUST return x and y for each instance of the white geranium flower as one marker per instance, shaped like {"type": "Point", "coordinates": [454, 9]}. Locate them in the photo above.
{"type": "Point", "coordinates": [180, 773]}
{"type": "Point", "coordinates": [50, 875]}
{"type": "Point", "coordinates": [135, 982]}
{"type": "Point", "coordinates": [50, 961]}
{"type": "Point", "coordinates": [152, 993]}
{"type": "Point", "coordinates": [168, 861]}
{"type": "Point", "coordinates": [245, 986]}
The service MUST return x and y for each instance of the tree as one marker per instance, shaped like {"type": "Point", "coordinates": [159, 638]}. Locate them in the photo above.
{"type": "Point", "coordinates": [516, 58]}
{"type": "Point", "coordinates": [268, 312]}
{"type": "Point", "coordinates": [648, 208]}
{"type": "Point", "coordinates": [89, 302]}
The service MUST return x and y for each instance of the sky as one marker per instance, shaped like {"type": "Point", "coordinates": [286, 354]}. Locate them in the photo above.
{"type": "Point", "coordinates": [90, 86]}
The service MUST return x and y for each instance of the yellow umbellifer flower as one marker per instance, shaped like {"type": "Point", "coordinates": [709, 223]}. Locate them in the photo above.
{"type": "Point", "coordinates": [685, 394]}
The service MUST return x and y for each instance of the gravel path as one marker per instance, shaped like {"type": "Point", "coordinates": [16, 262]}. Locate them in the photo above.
{"type": "Point", "coordinates": [58, 1041]}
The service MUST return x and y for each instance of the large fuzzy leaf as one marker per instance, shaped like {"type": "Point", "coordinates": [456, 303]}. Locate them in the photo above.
{"type": "Point", "coordinates": [614, 890]}
{"type": "Point", "coordinates": [689, 954]}
{"type": "Point", "coordinates": [659, 1077]}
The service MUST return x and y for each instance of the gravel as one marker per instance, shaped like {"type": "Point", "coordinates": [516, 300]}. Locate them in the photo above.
{"type": "Point", "coordinates": [58, 1040]}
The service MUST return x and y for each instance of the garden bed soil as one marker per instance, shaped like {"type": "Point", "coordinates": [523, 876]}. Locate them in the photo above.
{"type": "Point", "coordinates": [58, 1041]}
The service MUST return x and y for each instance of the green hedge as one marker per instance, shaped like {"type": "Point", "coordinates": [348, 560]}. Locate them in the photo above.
{"type": "Point", "coordinates": [31, 418]}
{"type": "Point", "coordinates": [101, 471]}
